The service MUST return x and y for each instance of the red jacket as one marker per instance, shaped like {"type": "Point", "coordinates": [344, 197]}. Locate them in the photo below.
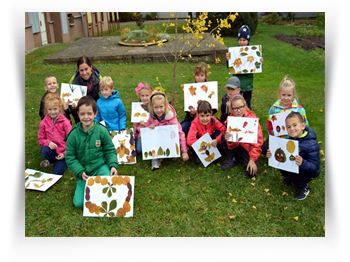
{"type": "Point", "coordinates": [253, 149]}
{"type": "Point", "coordinates": [54, 132]}
{"type": "Point", "coordinates": [198, 130]}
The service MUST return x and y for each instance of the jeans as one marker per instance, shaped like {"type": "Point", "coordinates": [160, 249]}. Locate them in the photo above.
{"type": "Point", "coordinates": [49, 154]}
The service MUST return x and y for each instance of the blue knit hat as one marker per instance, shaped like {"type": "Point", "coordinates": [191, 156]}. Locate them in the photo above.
{"type": "Point", "coordinates": [244, 32]}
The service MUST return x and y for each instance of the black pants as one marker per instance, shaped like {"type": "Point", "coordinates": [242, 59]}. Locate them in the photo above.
{"type": "Point", "coordinates": [247, 97]}
{"type": "Point", "coordinates": [299, 180]}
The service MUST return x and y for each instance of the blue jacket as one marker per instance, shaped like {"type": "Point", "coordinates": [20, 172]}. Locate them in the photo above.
{"type": "Point", "coordinates": [112, 111]}
{"type": "Point", "coordinates": [309, 150]}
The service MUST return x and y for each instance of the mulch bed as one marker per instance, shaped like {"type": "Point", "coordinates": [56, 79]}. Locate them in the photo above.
{"type": "Point", "coordinates": [307, 42]}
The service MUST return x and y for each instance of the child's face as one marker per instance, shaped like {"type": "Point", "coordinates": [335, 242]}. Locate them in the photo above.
{"type": "Point", "coordinates": [204, 118]}
{"type": "Point", "coordinates": [286, 96]}
{"type": "Point", "coordinates": [158, 107]}
{"type": "Point", "coordinates": [238, 108]}
{"type": "Point", "coordinates": [51, 85]}
{"type": "Point", "coordinates": [144, 96]}
{"type": "Point", "coordinates": [243, 42]}
{"type": "Point", "coordinates": [295, 128]}
{"type": "Point", "coordinates": [85, 71]}
{"type": "Point", "coordinates": [231, 91]}
{"type": "Point", "coordinates": [106, 91]}
{"type": "Point", "coordinates": [53, 110]}
{"type": "Point", "coordinates": [200, 77]}
{"type": "Point", "coordinates": [86, 116]}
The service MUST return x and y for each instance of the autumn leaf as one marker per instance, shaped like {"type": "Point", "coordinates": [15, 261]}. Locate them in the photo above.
{"type": "Point", "coordinates": [296, 218]}
{"type": "Point", "coordinates": [234, 200]}
{"type": "Point", "coordinates": [229, 194]}
{"type": "Point", "coordinates": [253, 184]}
{"type": "Point", "coordinates": [193, 90]}
{"type": "Point", "coordinates": [254, 207]}
{"type": "Point", "coordinates": [232, 216]}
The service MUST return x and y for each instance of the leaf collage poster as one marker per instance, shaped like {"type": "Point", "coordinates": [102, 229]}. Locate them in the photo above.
{"type": "Point", "coordinates": [205, 151]}
{"type": "Point", "coordinates": [243, 129]}
{"type": "Point", "coordinates": [245, 59]}
{"type": "Point", "coordinates": [194, 92]}
{"type": "Point", "coordinates": [139, 111]}
{"type": "Point", "coordinates": [124, 143]}
{"type": "Point", "coordinates": [40, 181]}
{"type": "Point", "coordinates": [279, 123]}
{"type": "Point", "coordinates": [72, 93]}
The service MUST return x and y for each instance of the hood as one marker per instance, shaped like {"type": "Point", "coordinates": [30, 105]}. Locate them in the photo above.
{"type": "Point", "coordinates": [115, 95]}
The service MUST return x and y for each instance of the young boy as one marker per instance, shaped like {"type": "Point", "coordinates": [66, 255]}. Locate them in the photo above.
{"type": "Point", "coordinates": [51, 86]}
{"type": "Point", "coordinates": [246, 80]}
{"type": "Point", "coordinates": [110, 107]}
{"type": "Point", "coordinates": [308, 159]}
{"type": "Point", "coordinates": [232, 88]}
{"type": "Point", "coordinates": [89, 149]}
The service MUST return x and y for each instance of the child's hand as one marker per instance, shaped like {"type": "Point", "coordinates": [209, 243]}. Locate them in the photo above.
{"type": "Point", "coordinates": [214, 143]}
{"type": "Point", "coordinates": [65, 106]}
{"type": "Point", "coordinates": [142, 123]}
{"type": "Point", "coordinates": [298, 160]}
{"type": "Point", "coordinates": [262, 60]}
{"type": "Point", "coordinates": [252, 167]}
{"type": "Point", "coordinates": [227, 56]}
{"type": "Point", "coordinates": [60, 157]}
{"type": "Point", "coordinates": [227, 135]}
{"type": "Point", "coordinates": [193, 112]}
{"type": "Point", "coordinates": [152, 126]}
{"type": "Point", "coordinates": [52, 145]}
{"type": "Point", "coordinates": [84, 176]}
{"type": "Point", "coordinates": [114, 171]}
{"type": "Point", "coordinates": [268, 153]}
{"type": "Point", "coordinates": [184, 156]}
{"type": "Point", "coordinates": [74, 105]}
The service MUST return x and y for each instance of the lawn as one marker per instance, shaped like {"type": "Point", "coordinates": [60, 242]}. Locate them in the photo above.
{"type": "Point", "coordinates": [182, 199]}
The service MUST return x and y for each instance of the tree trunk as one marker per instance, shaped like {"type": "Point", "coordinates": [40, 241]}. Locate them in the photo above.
{"type": "Point", "coordinates": [176, 57]}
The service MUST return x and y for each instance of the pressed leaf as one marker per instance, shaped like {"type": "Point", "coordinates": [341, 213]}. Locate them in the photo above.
{"type": "Point", "coordinates": [167, 152]}
{"type": "Point", "coordinates": [114, 189]}
{"type": "Point", "coordinates": [112, 205]}
{"type": "Point", "coordinates": [109, 193]}
{"type": "Point", "coordinates": [104, 190]}
{"type": "Point", "coordinates": [104, 205]}
{"type": "Point", "coordinates": [160, 151]}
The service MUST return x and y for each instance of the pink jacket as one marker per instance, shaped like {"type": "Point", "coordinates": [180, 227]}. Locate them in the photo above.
{"type": "Point", "coordinates": [54, 132]}
{"type": "Point", "coordinates": [137, 130]}
{"type": "Point", "coordinates": [170, 119]}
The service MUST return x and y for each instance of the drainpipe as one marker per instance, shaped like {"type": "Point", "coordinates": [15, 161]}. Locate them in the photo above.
{"type": "Point", "coordinates": [82, 19]}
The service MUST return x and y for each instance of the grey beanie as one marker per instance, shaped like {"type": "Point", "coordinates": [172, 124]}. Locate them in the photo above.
{"type": "Point", "coordinates": [233, 82]}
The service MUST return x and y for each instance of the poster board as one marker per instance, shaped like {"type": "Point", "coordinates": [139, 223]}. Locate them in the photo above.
{"type": "Point", "coordinates": [40, 181]}
{"type": "Point", "coordinates": [124, 143]}
{"type": "Point", "coordinates": [283, 154]}
{"type": "Point", "coordinates": [160, 142]}
{"type": "Point", "coordinates": [279, 123]}
{"type": "Point", "coordinates": [72, 93]}
{"type": "Point", "coordinates": [109, 196]}
{"type": "Point", "coordinates": [245, 59]}
{"type": "Point", "coordinates": [205, 151]}
{"type": "Point", "coordinates": [139, 111]}
{"type": "Point", "coordinates": [243, 129]}
{"type": "Point", "coordinates": [194, 92]}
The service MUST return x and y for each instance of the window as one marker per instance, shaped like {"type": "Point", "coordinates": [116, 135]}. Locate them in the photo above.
{"type": "Point", "coordinates": [34, 21]}
{"type": "Point", "coordinates": [64, 23]}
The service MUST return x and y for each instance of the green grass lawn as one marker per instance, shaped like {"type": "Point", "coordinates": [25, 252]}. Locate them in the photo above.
{"type": "Point", "coordinates": [182, 199]}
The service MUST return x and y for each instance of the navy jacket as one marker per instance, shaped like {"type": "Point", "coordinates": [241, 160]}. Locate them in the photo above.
{"type": "Point", "coordinates": [309, 150]}
{"type": "Point", "coordinates": [95, 81]}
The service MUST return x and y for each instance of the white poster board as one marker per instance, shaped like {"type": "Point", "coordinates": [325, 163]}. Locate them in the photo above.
{"type": "Point", "coordinates": [283, 154]}
{"type": "Point", "coordinates": [72, 93]}
{"type": "Point", "coordinates": [139, 111]}
{"type": "Point", "coordinates": [124, 143]}
{"type": "Point", "coordinates": [109, 196]}
{"type": "Point", "coordinates": [40, 181]}
{"type": "Point", "coordinates": [194, 92]}
{"type": "Point", "coordinates": [245, 59]}
{"type": "Point", "coordinates": [243, 129]}
{"type": "Point", "coordinates": [160, 142]}
{"type": "Point", "coordinates": [279, 123]}
{"type": "Point", "coordinates": [205, 151]}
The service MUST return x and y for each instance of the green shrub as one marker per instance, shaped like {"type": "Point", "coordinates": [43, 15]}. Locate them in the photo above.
{"type": "Point", "coordinates": [301, 32]}
{"type": "Point", "coordinates": [125, 16]}
{"type": "Point", "coordinates": [272, 19]}
{"type": "Point", "coordinates": [321, 19]}
{"type": "Point", "coordinates": [136, 34]}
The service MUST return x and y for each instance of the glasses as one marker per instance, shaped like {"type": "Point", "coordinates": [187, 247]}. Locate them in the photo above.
{"type": "Point", "coordinates": [238, 108]}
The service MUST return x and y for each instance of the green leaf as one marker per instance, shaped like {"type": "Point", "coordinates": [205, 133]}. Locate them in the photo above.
{"type": "Point", "coordinates": [244, 54]}
{"type": "Point", "coordinates": [38, 174]}
{"type": "Point", "coordinates": [254, 48]}
{"type": "Point", "coordinates": [109, 194]}
{"type": "Point", "coordinates": [146, 154]}
{"type": "Point", "coordinates": [104, 205]}
{"type": "Point", "coordinates": [104, 190]}
{"type": "Point", "coordinates": [245, 71]}
{"type": "Point", "coordinates": [167, 152]}
{"type": "Point", "coordinates": [113, 189]}
{"type": "Point", "coordinates": [112, 205]}
{"type": "Point", "coordinates": [128, 131]}
{"type": "Point", "coordinates": [258, 53]}
{"type": "Point", "coordinates": [160, 151]}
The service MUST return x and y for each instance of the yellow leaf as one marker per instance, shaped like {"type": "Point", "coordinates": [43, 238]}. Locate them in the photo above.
{"type": "Point", "coordinates": [296, 218]}
{"type": "Point", "coordinates": [321, 110]}
{"type": "Point", "coordinates": [232, 216]}
{"type": "Point", "coordinates": [284, 193]}
{"type": "Point", "coordinates": [322, 152]}
{"type": "Point", "coordinates": [285, 208]}
{"type": "Point", "coordinates": [208, 66]}
{"type": "Point", "coordinates": [228, 177]}
{"type": "Point", "coordinates": [266, 215]}
{"type": "Point", "coordinates": [266, 190]}
{"type": "Point", "coordinates": [253, 184]}
{"type": "Point", "coordinates": [234, 200]}
{"type": "Point", "coordinates": [229, 194]}
{"type": "Point", "coordinates": [149, 181]}
{"type": "Point", "coordinates": [253, 178]}
{"type": "Point", "coordinates": [254, 207]}
{"type": "Point", "coordinates": [189, 56]}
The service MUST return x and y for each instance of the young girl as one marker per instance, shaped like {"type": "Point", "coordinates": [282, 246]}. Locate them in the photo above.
{"type": "Point", "coordinates": [110, 107]}
{"type": "Point", "coordinates": [162, 114]}
{"type": "Point", "coordinates": [247, 153]}
{"type": "Point", "coordinates": [204, 123]}
{"type": "Point", "coordinates": [200, 75]}
{"type": "Point", "coordinates": [287, 102]}
{"type": "Point", "coordinates": [53, 129]}
{"type": "Point", "coordinates": [144, 91]}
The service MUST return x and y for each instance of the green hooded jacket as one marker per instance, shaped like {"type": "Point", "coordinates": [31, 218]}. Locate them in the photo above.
{"type": "Point", "coordinates": [88, 151]}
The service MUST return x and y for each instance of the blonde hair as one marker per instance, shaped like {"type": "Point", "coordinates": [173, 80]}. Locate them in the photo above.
{"type": "Point", "coordinates": [145, 87]}
{"type": "Point", "coordinates": [288, 83]}
{"type": "Point", "coordinates": [158, 96]}
{"type": "Point", "coordinates": [106, 81]}
{"type": "Point", "coordinates": [49, 76]}
{"type": "Point", "coordinates": [201, 68]}
{"type": "Point", "coordinates": [236, 98]}
{"type": "Point", "coordinates": [55, 99]}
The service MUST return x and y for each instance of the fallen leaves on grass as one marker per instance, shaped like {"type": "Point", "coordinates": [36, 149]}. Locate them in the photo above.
{"type": "Point", "coordinates": [232, 216]}
{"type": "Point", "coordinates": [296, 218]}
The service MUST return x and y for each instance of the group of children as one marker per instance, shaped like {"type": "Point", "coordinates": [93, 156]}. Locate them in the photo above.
{"type": "Point", "coordinates": [87, 148]}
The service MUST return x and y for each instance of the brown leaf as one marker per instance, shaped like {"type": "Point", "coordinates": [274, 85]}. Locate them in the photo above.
{"type": "Point", "coordinates": [232, 216]}
{"type": "Point", "coordinates": [188, 219]}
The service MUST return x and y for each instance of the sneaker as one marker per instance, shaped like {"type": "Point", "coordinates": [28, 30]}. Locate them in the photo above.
{"type": "Point", "coordinates": [46, 163]}
{"type": "Point", "coordinates": [302, 193]}
{"type": "Point", "coordinates": [196, 160]}
{"type": "Point", "coordinates": [228, 163]}
{"type": "Point", "coordinates": [155, 164]}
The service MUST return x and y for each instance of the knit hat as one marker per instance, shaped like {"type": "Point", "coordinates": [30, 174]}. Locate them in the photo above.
{"type": "Point", "coordinates": [233, 82]}
{"type": "Point", "coordinates": [244, 32]}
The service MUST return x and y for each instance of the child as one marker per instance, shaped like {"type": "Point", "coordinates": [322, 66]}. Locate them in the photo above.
{"type": "Point", "coordinates": [110, 107]}
{"type": "Point", "coordinates": [247, 153]}
{"type": "Point", "coordinates": [246, 80]}
{"type": "Point", "coordinates": [161, 114]}
{"type": "Point", "coordinates": [52, 130]}
{"type": "Point", "coordinates": [202, 124]}
{"type": "Point", "coordinates": [232, 88]}
{"type": "Point", "coordinates": [200, 75]}
{"type": "Point", "coordinates": [144, 91]}
{"type": "Point", "coordinates": [89, 149]}
{"type": "Point", "coordinates": [51, 86]}
{"type": "Point", "coordinates": [308, 159]}
{"type": "Point", "coordinates": [287, 102]}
